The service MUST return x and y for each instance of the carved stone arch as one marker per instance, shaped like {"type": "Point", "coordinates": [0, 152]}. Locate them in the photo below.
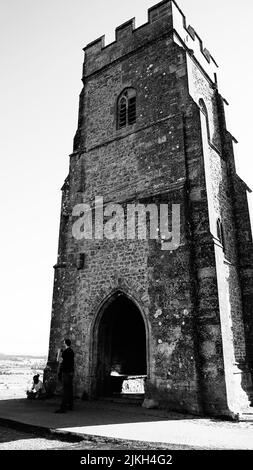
{"type": "Point", "coordinates": [118, 283]}
{"type": "Point", "coordinates": [100, 307]}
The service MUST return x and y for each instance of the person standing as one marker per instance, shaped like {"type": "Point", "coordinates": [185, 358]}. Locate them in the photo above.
{"type": "Point", "coordinates": [66, 374]}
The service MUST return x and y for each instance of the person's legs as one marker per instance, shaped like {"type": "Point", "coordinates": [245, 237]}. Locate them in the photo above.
{"type": "Point", "coordinates": [70, 392]}
{"type": "Point", "coordinates": [67, 393]}
{"type": "Point", "coordinates": [42, 396]}
{"type": "Point", "coordinates": [68, 398]}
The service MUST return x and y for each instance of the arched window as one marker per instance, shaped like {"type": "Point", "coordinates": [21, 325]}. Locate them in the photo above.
{"type": "Point", "coordinates": [220, 233]}
{"type": "Point", "coordinates": [204, 111]}
{"type": "Point", "coordinates": [126, 109]}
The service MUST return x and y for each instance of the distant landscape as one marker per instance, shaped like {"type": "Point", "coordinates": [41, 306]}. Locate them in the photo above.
{"type": "Point", "coordinates": [16, 373]}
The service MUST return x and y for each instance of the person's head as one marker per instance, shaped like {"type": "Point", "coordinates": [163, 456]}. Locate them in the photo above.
{"type": "Point", "coordinates": [67, 342]}
{"type": "Point", "coordinates": [36, 378]}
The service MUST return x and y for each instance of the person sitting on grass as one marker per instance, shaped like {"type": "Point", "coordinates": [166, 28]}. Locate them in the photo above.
{"type": "Point", "coordinates": [38, 390]}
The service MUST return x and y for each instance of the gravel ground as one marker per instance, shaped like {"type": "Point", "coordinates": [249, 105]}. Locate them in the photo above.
{"type": "Point", "coordinates": [13, 439]}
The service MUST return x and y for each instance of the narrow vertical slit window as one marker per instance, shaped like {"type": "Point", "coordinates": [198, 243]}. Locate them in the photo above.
{"type": "Point", "coordinates": [220, 234]}
{"type": "Point", "coordinates": [132, 110]}
{"type": "Point", "coordinates": [122, 112]}
{"type": "Point", "coordinates": [204, 111]}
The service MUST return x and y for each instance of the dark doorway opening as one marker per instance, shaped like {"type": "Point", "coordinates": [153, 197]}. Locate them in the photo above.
{"type": "Point", "coordinates": [121, 343]}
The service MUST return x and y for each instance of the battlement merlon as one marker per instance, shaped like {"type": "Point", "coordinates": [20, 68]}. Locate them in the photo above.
{"type": "Point", "coordinates": [163, 18]}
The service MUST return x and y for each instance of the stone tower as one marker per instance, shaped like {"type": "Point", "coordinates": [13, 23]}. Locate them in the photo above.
{"type": "Point", "coordinates": [152, 130]}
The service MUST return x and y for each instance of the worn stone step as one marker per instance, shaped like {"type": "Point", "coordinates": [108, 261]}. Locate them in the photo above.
{"type": "Point", "coordinates": [125, 398]}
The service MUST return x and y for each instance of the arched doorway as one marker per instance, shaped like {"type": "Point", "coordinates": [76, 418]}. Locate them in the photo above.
{"type": "Point", "coordinates": [121, 348]}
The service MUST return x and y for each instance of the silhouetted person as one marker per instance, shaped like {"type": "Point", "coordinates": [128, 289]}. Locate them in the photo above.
{"type": "Point", "coordinates": [66, 374]}
{"type": "Point", "coordinates": [37, 390]}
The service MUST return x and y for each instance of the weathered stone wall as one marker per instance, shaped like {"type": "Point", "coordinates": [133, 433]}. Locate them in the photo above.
{"type": "Point", "coordinates": [160, 281]}
{"type": "Point", "coordinates": [191, 297]}
{"type": "Point", "coordinates": [138, 163]}
{"type": "Point", "coordinates": [228, 303]}
{"type": "Point", "coordinates": [222, 201]}
{"type": "Point", "coordinates": [245, 260]}
{"type": "Point", "coordinates": [206, 312]}
{"type": "Point", "coordinates": [160, 66]}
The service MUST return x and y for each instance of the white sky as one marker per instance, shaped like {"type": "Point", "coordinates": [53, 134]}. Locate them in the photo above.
{"type": "Point", "coordinates": [41, 59]}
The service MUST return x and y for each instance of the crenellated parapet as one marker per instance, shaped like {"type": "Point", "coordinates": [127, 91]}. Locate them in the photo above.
{"type": "Point", "coordinates": [188, 37]}
{"type": "Point", "coordinates": [164, 18]}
